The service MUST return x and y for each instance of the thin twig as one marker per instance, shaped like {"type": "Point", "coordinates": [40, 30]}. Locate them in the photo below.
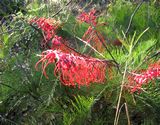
{"type": "Point", "coordinates": [148, 58]}
{"type": "Point", "coordinates": [122, 86]}
{"type": "Point", "coordinates": [127, 113]}
{"type": "Point", "coordinates": [7, 86]}
{"type": "Point", "coordinates": [61, 9]}
{"type": "Point", "coordinates": [90, 46]}
{"type": "Point", "coordinates": [109, 52]}
{"type": "Point", "coordinates": [120, 111]}
{"type": "Point", "coordinates": [133, 14]}
{"type": "Point", "coordinates": [120, 95]}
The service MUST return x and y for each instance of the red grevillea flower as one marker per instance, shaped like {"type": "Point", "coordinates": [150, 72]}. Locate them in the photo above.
{"type": "Point", "coordinates": [137, 80]}
{"type": "Point", "coordinates": [92, 36]}
{"type": "Point", "coordinates": [48, 26]}
{"type": "Point", "coordinates": [74, 70]}
{"type": "Point", "coordinates": [89, 18]}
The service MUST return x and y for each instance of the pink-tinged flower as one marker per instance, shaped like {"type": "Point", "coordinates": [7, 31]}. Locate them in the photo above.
{"type": "Point", "coordinates": [136, 81]}
{"type": "Point", "coordinates": [89, 18]}
{"type": "Point", "coordinates": [74, 70]}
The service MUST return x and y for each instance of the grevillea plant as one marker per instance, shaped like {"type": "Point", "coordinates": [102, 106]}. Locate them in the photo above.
{"type": "Point", "coordinates": [29, 98]}
{"type": "Point", "coordinates": [95, 39]}
{"type": "Point", "coordinates": [72, 67]}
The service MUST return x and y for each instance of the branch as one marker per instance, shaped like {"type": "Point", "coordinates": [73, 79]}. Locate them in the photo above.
{"type": "Point", "coordinates": [8, 86]}
{"type": "Point", "coordinates": [148, 58]}
{"type": "Point", "coordinates": [61, 9]}
{"type": "Point", "coordinates": [90, 46]}
{"type": "Point", "coordinates": [117, 64]}
{"type": "Point", "coordinates": [133, 14]}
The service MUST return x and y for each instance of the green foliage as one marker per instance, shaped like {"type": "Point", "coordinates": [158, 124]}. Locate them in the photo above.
{"type": "Point", "coordinates": [149, 102]}
{"type": "Point", "coordinates": [27, 97]}
{"type": "Point", "coordinates": [81, 108]}
{"type": "Point", "coordinates": [146, 16]}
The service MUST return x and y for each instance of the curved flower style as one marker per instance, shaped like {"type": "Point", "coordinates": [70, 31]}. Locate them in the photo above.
{"type": "Point", "coordinates": [137, 80]}
{"type": "Point", "coordinates": [74, 70]}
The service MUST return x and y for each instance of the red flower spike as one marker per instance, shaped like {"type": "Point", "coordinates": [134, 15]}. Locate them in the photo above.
{"type": "Point", "coordinates": [136, 81]}
{"type": "Point", "coordinates": [74, 70]}
{"type": "Point", "coordinates": [89, 18]}
{"type": "Point", "coordinates": [48, 26]}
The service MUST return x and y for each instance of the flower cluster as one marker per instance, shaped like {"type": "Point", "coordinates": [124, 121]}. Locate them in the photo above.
{"type": "Point", "coordinates": [74, 70]}
{"type": "Point", "coordinates": [48, 26]}
{"type": "Point", "coordinates": [92, 36]}
{"type": "Point", "coordinates": [89, 18]}
{"type": "Point", "coordinates": [137, 80]}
